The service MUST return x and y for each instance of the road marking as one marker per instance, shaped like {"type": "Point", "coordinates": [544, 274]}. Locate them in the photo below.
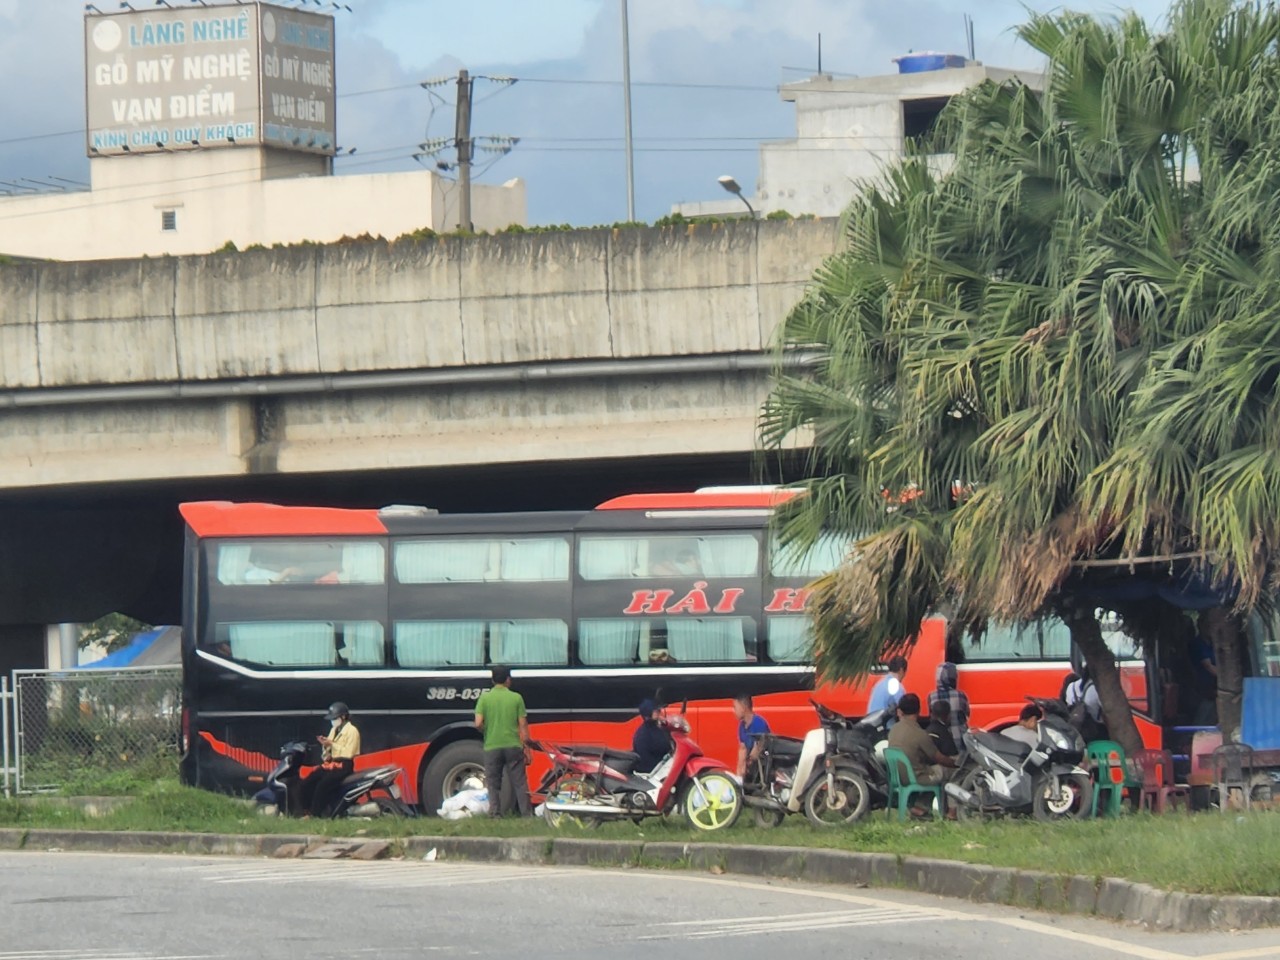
{"type": "Point", "coordinates": [788, 923]}
{"type": "Point", "coordinates": [1121, 947]}
{"type": "Point", "coordinates": [381, 876]}
{"type": "Point", "coordinates": [871, 910]}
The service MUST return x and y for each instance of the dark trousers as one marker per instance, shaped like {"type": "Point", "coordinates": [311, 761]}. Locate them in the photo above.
{"type": "Point", "coordinates": [506, 765]}
{"type": "Point", "coordinates": [318, 789]}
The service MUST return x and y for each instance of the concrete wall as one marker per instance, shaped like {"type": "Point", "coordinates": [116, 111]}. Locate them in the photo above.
{"type": "Point", "coordinates": [246, 197]}
{"type": "Point", "coordinates": [213, 338]}
{"type": "Point", "coordinates": [411, 305]}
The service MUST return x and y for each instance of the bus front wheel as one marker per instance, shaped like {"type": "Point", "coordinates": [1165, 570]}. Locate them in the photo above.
{"type": "Point", "coordinates": [448, 772]}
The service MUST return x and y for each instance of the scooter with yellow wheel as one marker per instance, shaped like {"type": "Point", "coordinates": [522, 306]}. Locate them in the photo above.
{"type": "Point", "coordinates": [589, 784]}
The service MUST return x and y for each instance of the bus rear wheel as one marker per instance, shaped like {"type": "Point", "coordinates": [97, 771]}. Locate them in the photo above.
{"type": "Point", "coordinates": [448, 772]}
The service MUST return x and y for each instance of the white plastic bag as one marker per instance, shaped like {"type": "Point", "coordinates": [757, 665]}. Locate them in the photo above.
{"type": "Point", "coordinates": [464, 804]}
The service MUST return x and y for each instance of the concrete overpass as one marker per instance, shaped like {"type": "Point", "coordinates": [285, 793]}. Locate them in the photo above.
{"type": "Point", "coordinates": [587, 361]}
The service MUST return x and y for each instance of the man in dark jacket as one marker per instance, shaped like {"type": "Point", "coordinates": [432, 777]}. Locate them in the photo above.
{"type": "Point", "coordinates": [651, 741]}
{"type": "Point", "coordinates": [946, 677]}
{"type": "Point", "coordinates": [939, 728]}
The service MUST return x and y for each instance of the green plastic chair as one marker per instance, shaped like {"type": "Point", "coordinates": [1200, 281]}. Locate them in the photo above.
{"type": "Point", "coordinates": [1110, 774]}
{"type": "Point", "coordinates": [903, 785]}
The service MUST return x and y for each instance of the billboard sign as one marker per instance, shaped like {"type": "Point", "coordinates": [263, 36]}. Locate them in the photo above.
{"type": "Point", "coordinates": [212, 76]}
{"type": "Point", "coordinates": [297, 79]}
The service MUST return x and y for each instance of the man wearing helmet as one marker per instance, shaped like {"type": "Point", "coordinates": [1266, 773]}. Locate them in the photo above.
{"type": "Point", "coordinates": [341, 747]}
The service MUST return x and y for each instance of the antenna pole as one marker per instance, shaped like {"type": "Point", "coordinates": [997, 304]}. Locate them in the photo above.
{"type": "Point", "coordinates": [626, 114]}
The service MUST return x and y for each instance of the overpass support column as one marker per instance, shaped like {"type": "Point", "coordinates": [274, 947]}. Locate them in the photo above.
{"type": "Point", "coordinates": [22, 647]}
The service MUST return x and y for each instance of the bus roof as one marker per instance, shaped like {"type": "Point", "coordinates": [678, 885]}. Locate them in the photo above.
{"type": "Point", "coordinates": [223, 518]}
{"type": "Point", "coordinates": [717, 498]}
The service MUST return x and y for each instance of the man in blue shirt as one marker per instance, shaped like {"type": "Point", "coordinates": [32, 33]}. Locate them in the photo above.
{"type": "Point", "coordinates": [886, 694]}
{"type": "Point", "coordinates": [750, 729]}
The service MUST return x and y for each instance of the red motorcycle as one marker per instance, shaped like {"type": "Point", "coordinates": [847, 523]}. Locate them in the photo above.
{"type": "Point", "coordinates": [588, 785]}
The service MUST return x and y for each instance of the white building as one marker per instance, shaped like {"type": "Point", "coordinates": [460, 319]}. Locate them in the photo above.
{"type": "Point", "coordinates": [847, 132]}
{"type": "Point", "coordinates": [197, 201]}
{"type": "Point", "coordinates": [216, 124]}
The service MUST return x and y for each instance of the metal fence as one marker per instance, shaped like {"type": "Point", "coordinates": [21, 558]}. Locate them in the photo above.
{"type": "Point", "coordinates": [82, 730]}
{"type": "Point", "coordinates": [7, 771]}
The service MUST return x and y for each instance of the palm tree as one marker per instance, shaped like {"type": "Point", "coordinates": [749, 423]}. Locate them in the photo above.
{"type": "Point", "coordinates": [990, 344]}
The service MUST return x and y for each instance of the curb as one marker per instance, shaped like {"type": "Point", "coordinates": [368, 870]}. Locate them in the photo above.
{"type": "Point", "coordinates": [1111, 899]}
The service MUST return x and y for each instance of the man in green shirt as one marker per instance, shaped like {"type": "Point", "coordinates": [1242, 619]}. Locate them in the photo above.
{"type": "Point", "coordinates": [500, 714]}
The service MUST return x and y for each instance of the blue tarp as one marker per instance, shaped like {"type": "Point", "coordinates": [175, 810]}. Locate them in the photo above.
{"type": "Point", "coordinates": [1260, 720]}
{"type": "Point", "coordinates": [125, 655]}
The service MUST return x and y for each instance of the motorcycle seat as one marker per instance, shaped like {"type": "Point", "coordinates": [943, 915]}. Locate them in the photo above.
{"type": "Point", "coordinates": [1002, 744]}
{"type": "Point", "coordinates": [370, 774]}
{"type": "Point", "coordinates": [783, 748]}
{"type": "Point", "coordinates": [621, 760]}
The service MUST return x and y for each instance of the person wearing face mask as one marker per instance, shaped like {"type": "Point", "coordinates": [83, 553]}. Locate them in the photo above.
{"type": "Point", "coordinates": [341, 747]}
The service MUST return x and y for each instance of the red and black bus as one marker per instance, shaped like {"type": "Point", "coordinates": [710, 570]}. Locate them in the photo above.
{"type": "Point", "coordinates": [401, 612]}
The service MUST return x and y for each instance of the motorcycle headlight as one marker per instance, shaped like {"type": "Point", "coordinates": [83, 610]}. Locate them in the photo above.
{"type": "Point", "coordinates": [1057, 739]}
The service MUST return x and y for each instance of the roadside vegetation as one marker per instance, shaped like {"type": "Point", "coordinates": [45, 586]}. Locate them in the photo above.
{"type": "Point", "coordinates": [1203, 853]}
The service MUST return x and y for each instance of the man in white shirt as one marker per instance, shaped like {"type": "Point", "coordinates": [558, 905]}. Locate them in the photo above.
{"type": "Point", "coordinates": [1027, 729]}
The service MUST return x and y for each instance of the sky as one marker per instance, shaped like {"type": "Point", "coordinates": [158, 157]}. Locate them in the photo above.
{"type": "Point", "coordinates": [705, 75]}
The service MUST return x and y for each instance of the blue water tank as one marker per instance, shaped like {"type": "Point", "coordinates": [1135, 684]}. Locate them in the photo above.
{"type": "Point", "coordinates": [928, 60]}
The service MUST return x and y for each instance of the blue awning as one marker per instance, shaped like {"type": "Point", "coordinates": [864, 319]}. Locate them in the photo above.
{"type": "Point", "coordinates": [125, 655]}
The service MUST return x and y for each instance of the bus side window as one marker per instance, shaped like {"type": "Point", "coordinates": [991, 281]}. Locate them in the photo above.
{"type": "Point", "coordinates": [790, 639]}
{"type": "Point", "coordinates": [293, 561]}
{"type": "Point", "coordinates": [534, 560]}
{"type": "Point", "coordinates": [608, 557]}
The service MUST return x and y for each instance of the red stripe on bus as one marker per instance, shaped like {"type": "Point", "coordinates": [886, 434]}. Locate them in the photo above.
{"type": "Point", "coordinates": [221, 518]}
{"type": "Point", "coordinates": [699, 501]}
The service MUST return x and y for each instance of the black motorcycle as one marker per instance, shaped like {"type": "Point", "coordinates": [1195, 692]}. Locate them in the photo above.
{"type": "Point", "coordinates": [813, 774]}
{"type": "Point", "coordinates": [364, 793]}
{"type": "Point", "coordinates": [1013, 777]}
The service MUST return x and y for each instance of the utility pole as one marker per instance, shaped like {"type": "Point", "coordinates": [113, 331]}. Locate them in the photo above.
{"type": "Point", "coordinates": [626, 113]}
{"type": "Point", "coordinates": [462, 139]}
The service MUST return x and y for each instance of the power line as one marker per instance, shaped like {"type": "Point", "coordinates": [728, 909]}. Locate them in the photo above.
{"type": "Point", "coordinates": [556, 81]}
{"type": "Point", "coordinates": [651, 84]}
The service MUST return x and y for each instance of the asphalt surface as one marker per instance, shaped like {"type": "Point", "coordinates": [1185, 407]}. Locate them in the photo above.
{"type": "Point", "coordinates": [64, 906]}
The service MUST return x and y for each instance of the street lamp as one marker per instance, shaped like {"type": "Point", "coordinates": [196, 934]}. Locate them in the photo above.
{"type": "Point", "coordinates": [733, 187]}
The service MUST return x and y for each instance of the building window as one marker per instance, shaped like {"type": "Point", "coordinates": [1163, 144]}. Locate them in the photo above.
{"type": "Point", "coordinates": [168, 219]}
{"type": "Point", "coordinates": [920, 118]}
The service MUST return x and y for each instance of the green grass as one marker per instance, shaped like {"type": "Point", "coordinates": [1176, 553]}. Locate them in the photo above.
{"type": "Point", "coordinates": [1204, 853]}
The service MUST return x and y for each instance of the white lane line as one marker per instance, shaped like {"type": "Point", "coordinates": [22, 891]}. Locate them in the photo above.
{"type": "Point", "coordinates": [744, 930]}
{"type": "Point", "coordinates": [1105, 943]}
{"type": "Point", "coordinates": [794, 918]}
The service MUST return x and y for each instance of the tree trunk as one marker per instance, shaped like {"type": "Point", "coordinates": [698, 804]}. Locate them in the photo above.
{"type": "Point", "coordinates": [1224, 631]}
{"type": "Point", "coordinates": [1086, 633]}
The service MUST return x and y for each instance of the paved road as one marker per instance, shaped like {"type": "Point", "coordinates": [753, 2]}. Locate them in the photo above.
{"type": "Point", "coordinates": [62, 906]}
